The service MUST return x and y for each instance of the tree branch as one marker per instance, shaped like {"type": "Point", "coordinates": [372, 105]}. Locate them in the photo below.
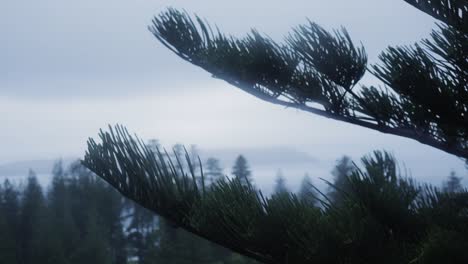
{"type": "Point", "coordinates": [426, 140]}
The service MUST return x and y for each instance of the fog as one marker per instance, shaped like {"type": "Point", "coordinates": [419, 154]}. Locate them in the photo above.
{"type": "Point", "coordinates": [68, 69]}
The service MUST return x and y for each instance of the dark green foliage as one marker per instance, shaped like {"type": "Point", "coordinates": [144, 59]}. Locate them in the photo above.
{"type": "Point", "coordinates": [451, 12]}
{"type": "Point", "coordinates": [445, 245]}
{"type": "Point", "coordinates": [382, 218]}
{"type": "Point", "coordinates": [63, 232]}
{"type": "Point", "coordinates": [93, 246]}
{"type": "Point", "coordinates": [32, 223]}
{"type": "Point", "coordinates": [59, 227]}
{"type": "Point", "coordinates": [431, 84]}
{"type": "Point", "coordinates": [98, 207]}
{"type": "Point", "coordinates": [319, 49]}
{"type": "Point", "coordinates": [141, 232]}
{"type": "Point", "coordinates": [424, 93]}
{"type": "Point", "coordinates": [9, 228]}
{"type": "Point", "coordinates": [83, 220]}
{"type": "Point", "coordinates": [179, 247]}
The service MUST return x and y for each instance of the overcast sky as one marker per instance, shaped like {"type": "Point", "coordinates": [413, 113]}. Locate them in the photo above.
{"type": "Point", "coordinates": [68, 68]}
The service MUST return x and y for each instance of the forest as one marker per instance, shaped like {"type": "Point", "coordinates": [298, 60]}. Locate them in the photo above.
{"type": "Point", "coordinates": [80, 218]}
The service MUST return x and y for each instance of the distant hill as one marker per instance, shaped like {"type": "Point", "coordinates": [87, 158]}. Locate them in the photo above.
{"type": "Point", "coordinates": [275, 156]}
{"type": "Point", "coordinates": [260, 156]}
{"type": "Point", "coordinates": [264, 163]}
{"type": "Point", "coordinates": [21, 168]}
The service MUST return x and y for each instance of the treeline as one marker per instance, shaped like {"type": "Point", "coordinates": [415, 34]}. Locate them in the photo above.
{"type": "Point", "coordinates": [81, 219]}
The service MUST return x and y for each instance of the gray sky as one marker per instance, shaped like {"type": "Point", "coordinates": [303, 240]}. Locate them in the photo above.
{"type": "Point", "coordinates": [68, 68]}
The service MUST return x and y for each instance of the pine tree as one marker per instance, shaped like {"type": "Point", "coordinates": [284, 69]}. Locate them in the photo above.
{"type": "Point", "coordinates": [63, 234]}
{"type": "Point", "coordinates": [180, 247]}
{"type": "Point", "coordinates": [280, 184]}
{"type": "Point", "coordinates": [241, 171]}
{"type": "Point", "coordinates": [384, 217]}
{"type": "Point", "coordinates": [187, 159]}
{"type": "Point", "coordinates": [96, 206]}
{"type": "Point", "coordinates": [453, 183]}
{"type": "Point", "coordinates": [307, 193]}
{"type": "Point", "coordinates": [140, 233]}
{"type": "Point", "coordinates": [343, 169]}
{"type": "Point", "coordinates": [213, 171]}
{"type": "Point", "coordinates": [93, 247]}
{"type": "Point", "coordinates": [423, 96]}
{"type": "Point", "coordinates": [110, 210]}
{"type": "Point", "coordinates": [32, 222]}
{"type": "Point", "coordinates": [9, 218]}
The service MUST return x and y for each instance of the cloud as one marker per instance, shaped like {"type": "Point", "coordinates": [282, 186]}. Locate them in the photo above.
{"type": "Point", "coordinates": [87, 48]}
{"type": "Point", "coordinates": [68, 68]}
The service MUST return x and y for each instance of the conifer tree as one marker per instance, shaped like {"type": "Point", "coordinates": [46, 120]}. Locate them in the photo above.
{"type": "Point", "coordinates": [96, 206]}
{"type": "Point", "coordinates": [213, 170]}
{"type": "Point", "coordinates": [423, 95]}
{"type": "Point", "coordinates": [140, 231]}
{"type": "Point", "coordinates": [453, 183]}
{"type": "Point", "coordinates": [241, 171]}
{"type": "Point", "coordinates": [32, 222]}
{"type": "Point", "coordinates": [307, 193]}
{"type": "Point", "coordinates": [384, 217]}
{"type": "Point", "coordinates": [9, 219]}
{"type": "Point", "coordinates": [93, 247]}
{"type": "Point", "coordinates": [280, 184]}
{"type": "Point", "coordinates": [343, 169]}
{"type": "Point", "coordinates": [63, 233]}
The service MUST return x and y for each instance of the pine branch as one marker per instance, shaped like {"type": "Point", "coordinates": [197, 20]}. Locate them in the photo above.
{"type": "Point", "coordinates": [315, 67]}
{"type": "Point", "coordinates": [383, 219]}
{"type": "Point", "coordinates": [451, 12]}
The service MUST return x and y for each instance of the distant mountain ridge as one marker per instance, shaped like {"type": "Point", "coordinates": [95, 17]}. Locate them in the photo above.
{"type": "Point", "coordinates": [21, 168]}
{"type": "Point", "coordinates": [260, 156]}
{"type": "Point", "coordinates": [276, 156]}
